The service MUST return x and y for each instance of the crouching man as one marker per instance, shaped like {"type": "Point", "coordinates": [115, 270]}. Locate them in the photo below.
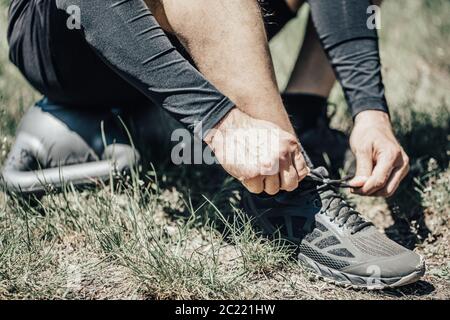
{"type": "Point", "coordinates": [207, 64]}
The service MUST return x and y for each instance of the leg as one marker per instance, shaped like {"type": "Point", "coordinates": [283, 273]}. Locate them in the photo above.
{"type": "Point", "coordinates": [76, 138]}
{"type": "Point", "coordinates": [312, 73]}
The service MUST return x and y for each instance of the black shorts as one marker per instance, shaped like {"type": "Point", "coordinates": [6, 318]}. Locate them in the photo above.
{"type": "Point", "coordinates": [62, 66]}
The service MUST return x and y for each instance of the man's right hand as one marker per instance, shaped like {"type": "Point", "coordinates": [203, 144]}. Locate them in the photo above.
{"type": "Point", "coordinates": [258, 153]}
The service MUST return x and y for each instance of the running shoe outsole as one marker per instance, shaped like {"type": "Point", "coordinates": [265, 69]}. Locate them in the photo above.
{"type": "Point", "coordinates": [357, 282]}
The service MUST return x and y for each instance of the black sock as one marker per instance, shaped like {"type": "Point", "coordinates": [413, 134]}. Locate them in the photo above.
{"type": "Point", "coordinates": [304, 109]}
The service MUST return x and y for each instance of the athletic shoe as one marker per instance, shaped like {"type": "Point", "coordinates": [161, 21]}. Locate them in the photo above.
{"type": "Point", "coordinates": [333, 239]}
{"type": "Point", "coordinates": [56, 145]}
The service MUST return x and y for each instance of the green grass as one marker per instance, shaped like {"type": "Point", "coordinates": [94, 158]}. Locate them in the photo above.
{"type": "Point", "coordinates": [170, 237]}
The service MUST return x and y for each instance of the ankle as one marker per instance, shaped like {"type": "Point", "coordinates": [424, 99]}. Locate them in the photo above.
{"type": "Point", "coordinates": [305, 103]}
{"type": "Point", "coordinates": [305, 109]}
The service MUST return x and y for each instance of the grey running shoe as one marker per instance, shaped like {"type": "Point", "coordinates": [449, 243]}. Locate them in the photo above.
{"type": "Point", "coordinates": [325, 146]}
{"type": "Point", "coordinates": [334, 240]}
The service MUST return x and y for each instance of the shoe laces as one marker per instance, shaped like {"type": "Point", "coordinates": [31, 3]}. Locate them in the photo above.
{"type": "Point", "coordinates": [333, 202]}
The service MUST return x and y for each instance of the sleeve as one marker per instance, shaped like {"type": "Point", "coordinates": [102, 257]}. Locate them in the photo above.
{"type": "Point", "coordinates": [125, 34]}
{"type": "Point", "coordinates": [353, 51]}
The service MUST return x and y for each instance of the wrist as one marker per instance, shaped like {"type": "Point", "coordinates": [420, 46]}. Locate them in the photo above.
{"type": "Point", "coordinates": [373, 116]}
{"type": "Point", "coordinates": [223, 124]}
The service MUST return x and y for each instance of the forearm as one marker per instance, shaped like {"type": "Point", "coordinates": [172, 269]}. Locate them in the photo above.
{"type": "Point", "coordinates": [227, 41]}
{"type": "Point", "coordinates": [130, 40]}
{"type": "Point", "coordinates": [353, 51]}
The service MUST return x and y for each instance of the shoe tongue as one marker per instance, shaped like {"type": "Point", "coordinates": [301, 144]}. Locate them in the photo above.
{"type": "Point", "coordinates": [336, 202]}
{"type": "Point", "coordinates": [353, 218]}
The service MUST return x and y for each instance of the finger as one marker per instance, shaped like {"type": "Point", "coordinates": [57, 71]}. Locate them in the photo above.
{"type": "Point", "coordinates": [358, 182]}
{"type": "Point", "coordinates": [300, 164]}
{"type": "Point", "coordinates": [269, 167]}
{"type": "Point", "coordinates": [254, 185]}
{"type": "Point", "coordinates": [381, 174]}
{"type": "Point", "coordinates": [398, 174]}
{"type": "Point", "coordinates": [364, 167]}
{"type": "Point", "coordinates": [272, 184]}
{"type": "Point", "coordinates": [288, 175]}
{"type": "Point", "coordinates": [391, 185]}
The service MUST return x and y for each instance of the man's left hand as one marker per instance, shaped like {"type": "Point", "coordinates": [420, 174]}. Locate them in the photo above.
{"type": "Point", "coordinates": [381, 163]}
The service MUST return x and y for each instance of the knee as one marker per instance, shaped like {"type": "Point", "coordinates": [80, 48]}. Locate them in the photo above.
{"type": "Point", "coordinates": [159, 12]}
{"type": "Point", "coordinates": [295, 5]}
{"type": "Point", "coordinates": [377, 2]}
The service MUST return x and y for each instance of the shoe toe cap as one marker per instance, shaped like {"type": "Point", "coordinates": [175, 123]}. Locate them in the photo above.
{"type": "Point", "coordinates": [397, 266]}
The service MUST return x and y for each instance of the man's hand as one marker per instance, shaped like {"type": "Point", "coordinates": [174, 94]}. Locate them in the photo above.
{"type": "Point", "coordinates": [381, 163]}
{"type": "Point", "coordinates": [258, 153]}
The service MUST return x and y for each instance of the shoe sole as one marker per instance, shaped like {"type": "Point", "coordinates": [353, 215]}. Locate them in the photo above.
{"type": "Point", "coordinates": [356, 282]}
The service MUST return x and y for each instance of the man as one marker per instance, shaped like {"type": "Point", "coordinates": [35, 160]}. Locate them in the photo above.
{"type": "Point", "coordinates": [121, 59]}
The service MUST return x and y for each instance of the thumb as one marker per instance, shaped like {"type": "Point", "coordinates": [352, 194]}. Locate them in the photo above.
{"type": "Point", "coordinates": [364, 167]}
{"type": "Point", "coordinates": [358, 181]}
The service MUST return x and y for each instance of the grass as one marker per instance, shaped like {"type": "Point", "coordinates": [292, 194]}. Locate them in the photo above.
{"type": "Point", "coordinates": [170, 237]}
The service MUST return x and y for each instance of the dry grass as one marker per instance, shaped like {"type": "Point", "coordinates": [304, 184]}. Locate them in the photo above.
{"type": "Point", "coordinates": [169, 238]}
